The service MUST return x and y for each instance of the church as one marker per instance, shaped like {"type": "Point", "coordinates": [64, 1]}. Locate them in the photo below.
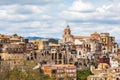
{"type": "Point", "coordinates": [79, 50]}
{"type": "Point", "coordinates": [100, 42]}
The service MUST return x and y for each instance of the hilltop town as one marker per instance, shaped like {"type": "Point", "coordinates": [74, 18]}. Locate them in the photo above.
{"type": "Point", "coordinates": [98, 52]}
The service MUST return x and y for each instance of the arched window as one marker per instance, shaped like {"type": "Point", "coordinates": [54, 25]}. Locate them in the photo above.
{"type": "Point", "coordinates": [60, 56]}
{"type": "Point", "coordinates": [55, 55]}
{"type": "Point", "coordinates": [71, 60]}
{"type": "Point", "coordinates": [0, 58]}
{"type": "Point", "coordinates": [60, 62]}
{"type": "Point", "coordinates": [80, 64]}
{"type": "Point", "coordinates": [32, 58]}
{"type": "Point", "coordinates": [35, 55]}
{"type": "Point", "coordinates": [52, 56]}
{"type": "Point", "coordinates": [28, 58]}
{"type": "Point", "coordinates": [79, 52]}
{"type": "Point", "coordinates": [117, 79]}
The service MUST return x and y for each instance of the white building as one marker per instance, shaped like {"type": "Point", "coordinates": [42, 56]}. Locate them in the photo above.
{"type": "Point", "coordinates": [113, 60]}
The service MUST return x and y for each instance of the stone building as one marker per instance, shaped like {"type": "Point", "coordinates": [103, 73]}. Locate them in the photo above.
{"type": "Point", "coordinates": [60, 72]}
{"type": "Point", "coordinates": [83, 44]}
{"type": "Point", "coordinates": [96, 42]}
{"type": "Point", "coordinates": [104, 72]}
{"type": "Point", "coordinates": [59, 54]}
{"type": "Point", "coordinates": [114, 60]}
{"type": "Point", "coordinates": [12, 51]}
{"type": "Point", "coordinates": [67, 37]}
{"type": "Point", "coordinates": [81, 51]}
{"type": "Point", "coordinates": [109, 44]}
{"type": "Point", "coordinates": [11, 60]}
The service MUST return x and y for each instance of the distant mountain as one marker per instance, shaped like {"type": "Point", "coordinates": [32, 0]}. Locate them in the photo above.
{"type": "Point", "coordinates": [35, 38]}
{"type": "Point", "coordinates": [40, 38]}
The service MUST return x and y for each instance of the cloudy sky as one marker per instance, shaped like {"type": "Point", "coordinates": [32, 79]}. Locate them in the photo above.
{"type": "Point", "coordinates": [48, 18]}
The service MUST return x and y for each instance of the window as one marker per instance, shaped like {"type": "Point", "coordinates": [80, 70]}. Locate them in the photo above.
{"type": "Point", "coordinates": [35, 55]}
{"type": "Point", "coordinates": [71, 60]}
{"type": "Point", "coordinates": [79, 53]}
{"type": "Point", "coordinates": [60, 62]}
{"type": "Point", "coordinates": [117, 79]}
{"type": "Point", "coordinates": [52, 56]}
{"type": "Point", "coordinates": [54, 71]}
{"type": "Point", "coordinates": [55, 55]}
{"type": "Point", "coordinates": [0, 58]}
{"type": "Point", "coordinates": [60, 56]}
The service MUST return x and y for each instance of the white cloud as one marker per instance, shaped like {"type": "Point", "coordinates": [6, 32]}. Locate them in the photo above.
{"type": "Point", "coordinates": [23, 2]}
{"type": "Point", "coordinates": [79, 5]}
{"type": "Point", "coordinates": [47, 18]}
{"type": "Point", "coordinates": [84, 12]}
{"type": "Point", "coordinates": [23, 13]}
{"type": "Point", "coordinates": [82, 30]}
{"type": "Point", "coordinates": [78, 10]}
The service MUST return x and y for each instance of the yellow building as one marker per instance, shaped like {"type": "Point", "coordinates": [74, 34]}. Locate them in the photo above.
{"type": "Point", "coordinates": [104, 72]}
{"type": "Point", "coordinates": [12, 51]}
{"type": "Point", "coordinates": [109, 44]}
{"type": "Point", "coordinates": [40, 44]}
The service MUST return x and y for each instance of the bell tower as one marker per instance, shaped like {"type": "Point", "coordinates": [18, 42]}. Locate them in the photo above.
{"type": "Point", "coordinates": [67, 37]}
{"type": "Point", "coordinates": [67, 30]}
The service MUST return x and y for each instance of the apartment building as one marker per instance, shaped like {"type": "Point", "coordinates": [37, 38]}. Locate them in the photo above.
{"type": "Point", "coordinates": [61, 72]}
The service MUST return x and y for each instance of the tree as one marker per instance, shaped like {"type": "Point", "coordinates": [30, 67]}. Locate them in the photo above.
{"type": "Point", "coordinates": [83, 74]}
{"type": "Point", "coordinates": [27, 74]}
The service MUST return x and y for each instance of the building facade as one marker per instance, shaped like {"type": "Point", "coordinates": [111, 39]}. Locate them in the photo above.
{"type": "Point", "coordinates": [104, 72]}
{"type": "Point", "coordinates": [61, 72]}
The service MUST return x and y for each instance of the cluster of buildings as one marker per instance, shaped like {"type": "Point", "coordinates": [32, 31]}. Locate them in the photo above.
{"type": "Point", "coordinates": [62, 59]}
{"type": "Point", "coordinates": [12, 49]}
{"type": "Point", "coordinates": [61, 72]}
{"type": "Point", "coordinates": [105, 72]}
{"type": "Point", "coordinates": [81, 50]}
{"type": "Point", "coordinates": [95, 50]}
